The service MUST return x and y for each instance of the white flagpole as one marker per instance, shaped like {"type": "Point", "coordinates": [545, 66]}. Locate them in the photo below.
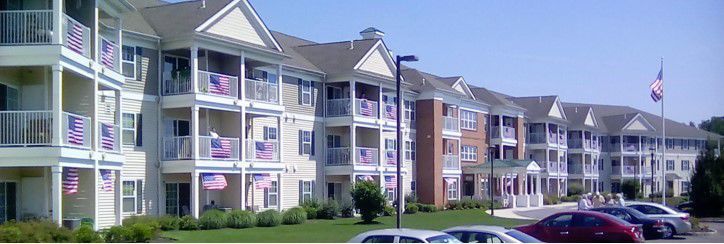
{"type": "Point", "coordinates": [663, 135]}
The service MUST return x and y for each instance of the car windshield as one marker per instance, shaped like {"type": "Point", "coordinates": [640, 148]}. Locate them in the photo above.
{"type": "Point", "coordinates": [522, 237]}
{"type": "Point", "coordinates": [619, 220]}
{"type": "Point", "coordinates": [636, 213]}
{"type": "Point", "coordinates": [443, 239]}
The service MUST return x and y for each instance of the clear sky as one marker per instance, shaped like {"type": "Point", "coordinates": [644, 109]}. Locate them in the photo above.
{"type": "Point", "coordinates": [584, 51]}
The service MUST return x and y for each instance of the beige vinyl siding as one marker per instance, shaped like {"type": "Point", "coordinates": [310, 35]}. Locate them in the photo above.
{"type": "Point", "coordinates": [306, 165]}
{"type": "Point", "coordinates": [77, 95]}
{"type": "Point", "coordinates": [106, 204]}
{"type": "Point", "coordinates": [80, 204]}
{"type": "Point", "coordinates": [147, 69]}
{"type": "Point", "coordinates": [141, 161]}
{"type": "Point", "coordinates": [258, 124]}
{"type": "Point", "coordinates": [376, 64]}
{"type": "Point", "coordinates": [107, 109]}
{"type": "Point", "coordinates": [291, 89]}
{"type": "Point", "coordinates": [236, 24]}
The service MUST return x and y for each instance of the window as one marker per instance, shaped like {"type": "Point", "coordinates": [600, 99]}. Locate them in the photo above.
{"type": "Point", "coordinates": [390, 144]}
{"type": "Point", "coordinates": [669, 164]}
{"type": "Point", "coordinates": [469, 153]}
{"type": "Point", "coordinates": [591, 221]}
{"type": "Point", "coordinates": [452, 190]}
{"type": "Point", "coordinates": [270, 133]}
{"type": "Point", "coordinates": [645, 209]}
{"type": "Point", "coordinates": [334, 141]}
{"type": "Point", "coordinates": [468, 120]}
{"type": "Point", "coordinates": [129, 196]}
{"type": "Point", "coordinates": [563, 220]}
{"type": "Point", "coordinates": [305, 190]}
{"type": "Point", "coordinates": [410, 110]}
{"type": "Point", "coordinates": [8, 199]}
{"type": "Point", "coordinates": [306, 142]}
{"type": "Point", "coordinates": [128, 61]}
{"type": "Point", "coordinates": [685, 185]}
{"type": "Point", "coordinates": [379, 239]}
{"type": "Point", "coordinates": [476, 237]}
{"type": "Point", "coordinates": [132, 133]}
{"type": "Point", "coordinates": [669, 144]}
{"type": "Point", "coordinates": [272, 194]}
{"type": "Point", "coordinates": [8, 98]}
{"type": "Point", "coordinates": [406, 239]}
{"type": "Point", "coordinates": [410, 150]}
{"type": "Point", "coordinates": [685, 165]}
{"type": "Point", "coordinates": [391, 194]}
{"type": "Point", "coordinates": [305, 92]}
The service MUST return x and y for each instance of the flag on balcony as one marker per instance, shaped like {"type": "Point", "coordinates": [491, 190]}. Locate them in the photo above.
{"type": "Point", "coordinates": [107, 180]}
{"type": "Point", "coordinates": [213, 181]}
{"type": "Point", "coordinates": [391, 112]}
{"type": "Point", "coordinates": [76, 127]}
{"type": "Point", "coordinates": [365, 155]}
{"type": "Point", "coordinates": [264, 150]}
{"type": "Point", "coordinates": [391, 157]}
{"type": "Point", "coordinates": [262, 181]}
{"type": "Point", "coordinates": [390, 182]}
{"type": "Point", "coordinates": [108, 136]}
{"type": "Point", "coordinates": [70, 181]}
{"type": "Point", "coordinates": [220, 148]}
{"type": "Point", "coordinates": [365, 108]}
{"type": "Point", "coordinates": [219, 84]}
{"type": "Point", "coordinates": [365, 178]}
{"type": "Point", "coordinates": [107, 53]}
{"type": "Point", "coordinates": [657, 87]}
{"type": "Point", "coordinates": [75, 37]}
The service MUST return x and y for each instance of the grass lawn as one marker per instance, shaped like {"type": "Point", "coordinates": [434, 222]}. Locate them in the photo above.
{"type": "Point", "coordinates": [339, 230]}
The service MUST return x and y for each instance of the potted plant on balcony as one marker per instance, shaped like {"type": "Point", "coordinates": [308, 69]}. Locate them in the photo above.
{"type": "Point", "coordinates": [181, 75]}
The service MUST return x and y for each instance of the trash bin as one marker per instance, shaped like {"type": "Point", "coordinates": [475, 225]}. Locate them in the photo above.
{"type": "Point", "coordinates": [72, 224]}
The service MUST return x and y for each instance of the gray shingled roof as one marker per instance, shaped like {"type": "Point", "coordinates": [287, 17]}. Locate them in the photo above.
{"type": "Point", "coordinates": [422, 81]}
{"type": "Point", "coordinates": [537, 107]}
{"type": "Point", "coordinates": [576, 115]}
{"type": "Point", "coordinates": [492, 98]}
{"type": "Point", "coordinates": [336, 57]}
{"type": "Point", "coordinates": [289, 44]}
{"type": "Point", "coordinates": [450, 80]}
{"type": "Point", "coordinates": [134, 21]}
{"type": "Point", "coordinates": [182, 18]}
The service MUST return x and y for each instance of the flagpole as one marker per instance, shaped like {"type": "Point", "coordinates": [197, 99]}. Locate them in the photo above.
{"type": "Point", "coordinates": [663, 135]}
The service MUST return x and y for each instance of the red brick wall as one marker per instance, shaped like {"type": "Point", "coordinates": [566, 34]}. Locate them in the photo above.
{"type": "Point", "coordinates": [476, 138]}
{"type": "Point", "coordinates": [520, 131]}
{"type": "Point", "coordinates": [429, 151]}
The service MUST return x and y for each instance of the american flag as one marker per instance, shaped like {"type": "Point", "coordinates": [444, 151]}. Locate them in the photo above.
{"type": "Point", "coordinates": [365, 155]}
{"type": "Point", "coordinates": [107, 53]}
{"type": "Point", "coordinates": [391, 157]}
{"type": "Point", "coordinates": [264, 150]}
{"type": "Point", "coordinates": [365, 178]}
{"type": "Point", "coordinates": [70, 181]}
{"type": "Point", "coordinates": [75, 130]}
{"type": "Point", "coordinates": [108, 136]}
{"type": "Point", "coordinates": [390, 182]}
{"type": "Point", "coordinates": [657, 87]}
{"type": "Point", "coordinates": [365, 108]}
{"type": "Point", "coordinates": [262, 181]}
{"type": "Point", "coordinates": [391, 111]}
{"type": "Point", "coordinates": [219, 84]}
{"type": "Point", "coordinates": [220, 148]}
{"type": "Point", "coordinates": [107, 179]}
{"type": "Point", "coordinates": [75, 37]}
{"type": "Point", "coordinates": [213, 181]}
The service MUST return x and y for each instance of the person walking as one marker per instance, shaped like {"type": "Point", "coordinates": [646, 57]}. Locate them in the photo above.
{"type": "Point", "coordinates": [598, 200]}
{"type": "Point", "coordinates": [610, 200]}
{"type": "Point", "coordinates": [619, 200]}
{"type": "Point", "coordinates": [583, 204]}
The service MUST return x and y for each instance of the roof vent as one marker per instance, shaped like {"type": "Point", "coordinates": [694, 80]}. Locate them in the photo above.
{"type": "Point", "coordinates": [371, 33]}
{"type": "Point", "coordinates": [423, 81]}
{"type": "Point", "coordinates": [540, 99]}
{"type": "Point", "coordinates": [351, 45]}
{"type": "Point", "coordinates": [203, 3]}
{"type": "Point", "coordinates": [576, 109]}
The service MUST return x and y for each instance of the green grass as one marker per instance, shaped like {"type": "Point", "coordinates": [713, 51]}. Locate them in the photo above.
{"type": "Point", "coordinates": [339, 230]}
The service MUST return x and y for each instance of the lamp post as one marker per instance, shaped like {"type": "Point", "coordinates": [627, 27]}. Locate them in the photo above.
{"type": "Point", "coordinates": [399, 59]}
{"type": "Point", "coordinates": [653, 161]}
{"type": "Point", "coordinates": [490, 180]}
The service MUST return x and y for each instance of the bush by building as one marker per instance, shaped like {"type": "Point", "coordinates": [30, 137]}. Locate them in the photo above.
{"type": "Point", "coordinates": [575, 189]}
{"type": "Point", "coordinates": [294, 216]}
{"type": "Point", "coordinates": [411, 208]}
{"type": "Point", "coordinates": [239, 219]}
{"type": "Point", "coordinates": [311, 206]}
{"type": "Point", "coordinates": [169, 222]}
{"type": "Point", "coordinates": [213, 219]}
{"type": "Point", "coordinates": [188, 223]}
{"type": "Point", "coordinates": [368, 198]}
{"type": "Point", "coordinates": [328, 210]}
{"type": "Point", "coordinates": [346, 208]}
{"type": "Point", "coordinates": [268, 218]}
{"type": "Point", "coordinates": [630, 189]}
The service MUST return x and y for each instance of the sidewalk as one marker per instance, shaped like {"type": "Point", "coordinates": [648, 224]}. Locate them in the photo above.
{"type": "Point", "coordinates": [533, 213]}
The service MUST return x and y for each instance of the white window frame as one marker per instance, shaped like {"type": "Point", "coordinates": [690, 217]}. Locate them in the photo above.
{"type": "Point", "coordinates": [124, 128]}
{"type": "Point", "coordinates": [390, 144]}
{"type": "Point", "coordinates": [468, 120]}
{"type": "Point", "coordinates": [132, 62]}
{"type": "Point", "coordinates": [687, 163]}
{"type": "Point", "coordinates": [306, 140]}
{"type": "Point", "coordinates": [410, 150]}
{"type": "Point", "coordinates": [306, 84]}
{"type": "Point", "coordinates": [469, 153]}
{"type": "Point", "coordinates": [273, 195]}
{"type": "Point", "coordinates": [132, 196]}
{"type": "Point", "coordinates": [410, 110]}
{"type": "Point", "coordinates": [271, 133]}
{"type": "Point", "coordinates": [306, 195]}
{"type": "Point", "coordinates": [452, 190]}
{"type": "Point", "coordinates": [673, 165]}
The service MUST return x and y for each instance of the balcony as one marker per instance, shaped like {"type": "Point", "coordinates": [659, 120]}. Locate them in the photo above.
{"type": "Point", "coordinates": [338, 107]}
{"type": "Point", "coordinates": [450, 162]}
{"type": "Point", "coordinates": [262, 91]}
{"type": "Point", "coordinates": [587, 169]}
{"type": "Point", "coordinates": [35, 27]}
{"type": "Point", "coordinates": [366, 108]}
{"type": "Point", "coordinates": [508, 132]}
{"type": "Point", "coordinates": [629, 170]}
{"type": "Point", "coordinates": [575, 143]}
{"type": "Point", "coordinates": [562, 140]}
{"type": "Point", "coordinates": [391, 157]}
{"type": "Point", "coordinates": [552, 167]}
{"type": "Point", "coordinates": [262, 151]}
{"type": "Point", "coordinates": [177, 148]}
{"type": "Point", "coordinates": [390, 112]}
{"type": "Point", "coordinates": [587, 144]}
{"type": "Point", "coordinates": [627, 147]}
{"type": "Point", "coordinates": [108, 137]}
{"type": "Point", "coordinates": [75, 133]}
{"type": "Point", "coordinates": [552, 138]}
{"type": "Point", "coordinates": [450, 124]}
{"type": "Point", "coordinates": [109, 56]}
{"type": "Point", "coordinates": [367, 156]}
{"type": "Point", "coordinates": [220, 148]}
{"type": "Point", "coordinates": [563, 168]}
{"type": "Point", "coordinates": [26, 128]}
{"type": "Point", "coordinates": [537, 138]}
{"type": "Point", "coordinates": [218, 84]}
{"type": "Point", "coordinates": [77, 36]}
{"type": "Point", "coordinates": [338, 156]}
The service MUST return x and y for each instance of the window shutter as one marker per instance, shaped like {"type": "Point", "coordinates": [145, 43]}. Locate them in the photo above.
{"type": "Point", "coordinates": [301, 192]}
{"type": "Point", "coordinates": [299, 91]}
{"type": "Point", "coordinates": [313, 189]}
{"type": "Point", "coordinates": [137, 59]}
{"type": "Point", "coordinates": [266, 197]}
{"type": "Point", "coordinates": [139, 130]}
{"type": "Point", "coordinates": [266, 133]}
{"type": "Point", "coordinates": [312, 91]}
{"type": "Point", "coordinates": [301, 145]}
{"type": "Point", "coordinates": [139, 196]}
{"type": "Point", "coordinates": [312, 152]}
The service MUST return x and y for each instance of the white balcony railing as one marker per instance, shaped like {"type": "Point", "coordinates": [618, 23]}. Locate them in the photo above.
{"type": "Point", "coordinates": [110, 55]}
{"type": "Point", "coordinates": [263, 151]}
{"type": "Point", "coordinates": [389, 112]}
{"type": "Point", "coordinates": [221, 148]}
{"type": "Point", "coordinates": [627, 170]}
{"type": "Point", "coordinates": [367, 156]}
{"type": "Point", "coordinates": [76, 130]}
{"type": "Point", "coordinates": [587, 169]}
{"type": "Point", "coordinates": [218, 84]}
{"type": "Point", "coordinates": [26, 128]}
{"type": "Point", "coordinates": [338, 107]}
{"type": "Point", "coordinates": [26, 27]}
{"type": "Point", "coordinates": [552, 138]}
{"type": "Point", "coordinates": [108, 137]}
{"type": "Point", "coordinates": [77, 36]}
{"type": "Point", "coordinates": [390, 157]}
{"type": "Point", "coordinates": [177, 148]}
{"type": "Point", "coordinates": [450, 161]}
{"type": "Point", "coordinates": [178, 83]}
{"type": "Point", "coordinates": [262, 91]}
{"type": "Point", "coordinates": [366, 108]}
{"type": "Point", "coordinates": [536, 138]}
{"type": "Point", "coordinates": [552, 167]}
{"type": "Point", "coordinates": [450, 124]}
{"type": "Point", "coordinates": [563, 168]}
{"type": "Point", "coordinates": [562, 139]}
{"type": "Point", "coordinates": [508, 132]}
{"type": "Point", "coordinates": [338, 156]}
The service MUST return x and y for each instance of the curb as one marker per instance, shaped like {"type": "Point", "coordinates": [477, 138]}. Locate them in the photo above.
{"type": "Point", "coordinates": [703, 233]}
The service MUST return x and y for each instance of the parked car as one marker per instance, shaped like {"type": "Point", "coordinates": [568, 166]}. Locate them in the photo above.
{"type": "Point", "coordinates": [489, 234]}
{"type": "Point", "coordinates": [583, 226]}
{"type": "Point", "coordinates": [653, 228]}
{"type": "Point", "coordinates": [404, 236]}
{"type": "Point", "coordinates": [685, 206]}
{"type": "Point", "coordinates": [677, 220]}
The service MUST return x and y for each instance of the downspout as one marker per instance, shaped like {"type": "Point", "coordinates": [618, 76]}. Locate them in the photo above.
{"type": "Point", "coordinates": [159, 123]}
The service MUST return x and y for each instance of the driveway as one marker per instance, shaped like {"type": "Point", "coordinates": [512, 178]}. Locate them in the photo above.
{"type": "Point", "coordinates": [700, 238]}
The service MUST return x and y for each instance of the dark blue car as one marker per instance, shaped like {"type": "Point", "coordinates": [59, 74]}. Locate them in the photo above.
{"type": "Point", "coordinates": [653, 228]}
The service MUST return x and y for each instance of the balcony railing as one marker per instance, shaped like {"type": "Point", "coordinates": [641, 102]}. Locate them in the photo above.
{"type": "Point", "coordinates": [537, 137]}
{"type": "Point", "coordinates": [218, 84]}
{"type": "Point", "coordinates": [366, 108]}
{"type": "Point", "coordinates": [367, 156]}
{"type": "Point", "coordinates": [552, 167]}
{"type": "Point", "coordinates": [76, 130]}
{"type": "Point", "coordinates": [177, 148]}
{"type": "Point", "coordinates": [508, 132]}
{"type": "Point", "coordinates": [575, 143]}
{"type": "Point", "coordinates": [338, 107]}
{"type": "Point", "coordinates": [575, 168]}
{"type": "Point", "coordinates": [26, 128]}
{"type": "Point", "coordinates": [77, 36]}
{"type": "Point", "coordinates": [587, 144]}
{"type": "Point", "coordinates": [450, 161]}
{"type": "Point", "coordinates": [390, 112]}
{"type": "Point", "coordinates": [338, 156]}
{"type": "Point", "coordinates": [108, 137]}
{"type": "Point", "coordinates": [390, 157]}
{"type": "Point", "coordinates": [562, 139]}
{"type": "Point", "coordinates": [258, 150]}
{"type": "Point", "coordinates": [552, 138]}
{"type": "Point", "coordinates": [262, 91]}
{"type": "Point", "coordinates": [178, 83]}
{"type": "Point", "coordinates": [26, 27]}
{"type": "Point", "coordinates": [587, 169]}
{"type": "Point", "coordinates": [627, 170]}
{"type": "Point", "coordinates": [630, 147]}
{"type": "Point", "coordinates": [563, 168]}
{"type": "Point", "coordinates": [110, 54]}
{"type": "Point", "coordinates": [450, 124]}
{"type": "Point", "coordinates": [221, 148]}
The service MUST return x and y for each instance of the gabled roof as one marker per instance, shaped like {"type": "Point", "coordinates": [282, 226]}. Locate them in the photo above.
{"type": "Point", "coordinates": [422, 81]}
{"type": "Point", "coordinates": [577, 115]}
{"type": "Point", "coordinates": [336, 57]}
{"type": "Point", "coordinates": [493, 98]}
{"type": "Point", "coordinates": [134, 21]}
{"type": "Point", "coordinates": [538, 107]}
{"type": "Point", "coordinates": [297, 60]}
{"type": "Point", "coordinates": [503, 166]}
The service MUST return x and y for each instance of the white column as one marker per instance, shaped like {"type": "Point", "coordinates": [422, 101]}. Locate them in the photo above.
{"type": "Point", "coordinates": [194, 62]}
{"type": "Point", "coordinates": [195, 194]}
{"type": "Point", "coordinates": [117, 118]}
{"type": "Point", "coordinates": [118, 195]}
{"type": "Point", "coordinates": [352, 97]}
{"type": "Point", "coordinates": [57, 194]}
{"type": "Point", "coordinates": [500, 184]}
{"type": "Point", "coordinates": [279, 190]}
{"type": "Point", "coordinates": [57, 104]}
{"type": "Point", "coordinates": [119, 39]}
{"type": "Point", "coordinates": [280, 137]}
{"type": "Point", "coordinates": [195, 132]}
{"type": "Point", "coordinates": [95, 192]}
{"type": "Point", "coordinates": [279, 85]}
{"type": "Point", "coordinates": [242, 184]}
{"type": "Point", "coordinates": [352, 143]}
{"type": "Point", "coordinates": [242, 75]}
{"type": "Point", "coordinates": [538, 184]}
{"type": "Point", "coordinates": [58, 22]}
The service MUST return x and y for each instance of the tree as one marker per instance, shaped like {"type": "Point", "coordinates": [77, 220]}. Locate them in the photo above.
{"type": "Point", "coordinates": [707, 186]}
{"type": "Point", "coordinates": [368, 198]}
{"type": "Point", "coordinates": [714, 125]}
{"type": "Point", "coordinates": [630, 188]}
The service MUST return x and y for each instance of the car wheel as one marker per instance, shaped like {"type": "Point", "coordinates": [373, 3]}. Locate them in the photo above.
{"type": "Point", "coordinates": [668, 231]}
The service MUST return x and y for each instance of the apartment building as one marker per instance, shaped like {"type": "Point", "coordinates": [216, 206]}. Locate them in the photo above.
{"type": "Point", "coordinates": [584, 148]}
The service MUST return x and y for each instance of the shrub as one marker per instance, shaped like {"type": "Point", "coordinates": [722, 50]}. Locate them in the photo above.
{"type": "Point", "coordinates": [389, 210]}
{"type": "Point", "coordinates": [268, 218]}
{"type": "Point", "coordinates": [550, 199]}
{"type": "Point", "coordinates": [454, 205]}
{"type": "Point", "coordinates": [410, 199]}
{"type": "Point", "coordinates": [150, 221]}
{"type": "Point", "coordinates": [630, 189]}
{"type": "Point", "coordinates": [428, 208]}
{"type": "Point", "coordinates": [346, 208]}
{"type": "Point", "coordinates": [328, 210]}
{"type": "Point", "coordinates": [707, 189]}
{"type": "Point", "coordinates": [143, 232]}
{"type": "Point", "coordinates": [34, 231]}
{"type": "Point", "coordinates": [87, 234]}
{"type": "Point", "coordinates": [575, 189]}
{"type": "Point", "coordinates": [169, 222]}
{"type": "Point", "coordinates": [411, 208]}
{"type": "Point", "coordinates": [10, 234]}
{"type": "Point", "coordinates": [119, 234]}
{"type": "Point", "coordinates": [239, 219]}
{"type": "Point", "coordinates": [294, 216]}
{"type": "Point", "coordinates": [213, 219]}
{"type": "Point", "coordinates": [311, 206]}
{"type": "Point", "coordinates": [368, 198]}
{"type": "Point", "coordinates": [469, 203]}
{"type": "Point", "coordinates": [188, 223]}
{"type": "Point", "coordinates": [573, 198]}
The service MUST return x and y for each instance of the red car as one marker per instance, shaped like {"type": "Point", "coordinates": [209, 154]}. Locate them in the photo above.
{"type": "Point", "coordinates": [583, 226]}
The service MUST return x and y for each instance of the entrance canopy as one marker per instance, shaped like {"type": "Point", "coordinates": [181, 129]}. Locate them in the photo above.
{"type": "Point", "coordinates": [501, 167]}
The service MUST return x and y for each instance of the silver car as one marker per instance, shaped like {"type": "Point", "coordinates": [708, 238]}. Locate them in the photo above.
{"type": "Point", "coordinates": [489, 234]}
{"type": "Point", "coordinates": [679, 221]}
{"type": "Point", "coordinates": [403, 236]}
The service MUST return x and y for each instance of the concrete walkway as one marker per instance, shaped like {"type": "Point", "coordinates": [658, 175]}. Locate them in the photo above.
{"type": "Point", "coordinates": [534, 213]}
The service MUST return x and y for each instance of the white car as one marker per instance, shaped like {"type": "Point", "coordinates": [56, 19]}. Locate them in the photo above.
{"type": "Point", "coordinates": [489, 234]}
{"type": "Point", "coordinates": [403, 235]}
{"type": "Point", "coordinates": [676, 220]}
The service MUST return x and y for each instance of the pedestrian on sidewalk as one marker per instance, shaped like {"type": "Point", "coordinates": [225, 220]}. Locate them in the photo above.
{"type": "Point", "coordinates": [583, 203]}
{"type": "Point", "coordinates": [619, 200]}
{"type": "Point", "coordinates": [598, 200]}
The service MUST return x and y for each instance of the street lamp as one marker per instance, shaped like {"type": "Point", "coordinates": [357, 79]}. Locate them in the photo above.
{"type": "Point", "coordinates": [653, 160]}
{"type": "Point", "coordinates": [490, 180]}
{"type": "Point", "coordinates": [399, 59]}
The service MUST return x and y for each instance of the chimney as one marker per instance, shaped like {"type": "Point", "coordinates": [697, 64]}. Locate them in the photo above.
{"type": "Point", "coordinates": [371, 33]}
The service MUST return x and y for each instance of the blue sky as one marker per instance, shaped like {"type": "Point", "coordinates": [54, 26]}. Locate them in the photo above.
{"type": "Point", "coordinates": [585, 51]}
